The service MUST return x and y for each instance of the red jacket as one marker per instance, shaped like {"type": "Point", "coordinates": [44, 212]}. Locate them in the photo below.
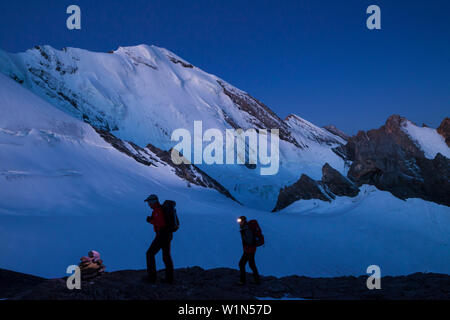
{"type": "Point", "coordinates": [157, 219]}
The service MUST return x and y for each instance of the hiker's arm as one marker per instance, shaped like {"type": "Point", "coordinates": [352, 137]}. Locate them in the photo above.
{"type": "Point", "coordinates": [149, 219]}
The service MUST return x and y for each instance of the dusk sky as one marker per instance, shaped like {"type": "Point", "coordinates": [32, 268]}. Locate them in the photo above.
{"type": "Point", "coordinates": [316, 59]}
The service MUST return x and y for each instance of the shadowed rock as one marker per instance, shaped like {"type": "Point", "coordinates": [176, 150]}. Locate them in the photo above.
{"type": "Point", "coordinates": [388, 159]}
{"type": "Point", "coordinates": [304, 189]}
{"type": "Point", "coordinates": [336, 183]}
{"type": "Point", "coordinates": [218, 284]}
{"type": "Point", "coordinates": [261, 116]}
{"type": "Point", "coordinates": [444, 130]}
{"type": "Point", "coordinates": [12, 283]}
{"type": "Point", "coordinates": [333, 184]}
{"type": "Point", "coordinates": [331, 128]}
{"type": "Point", "coordinates": [153, 156]}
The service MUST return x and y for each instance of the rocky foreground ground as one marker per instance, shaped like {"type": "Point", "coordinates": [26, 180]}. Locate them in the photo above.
{"type": "Point", "coordinates": [216, 284]}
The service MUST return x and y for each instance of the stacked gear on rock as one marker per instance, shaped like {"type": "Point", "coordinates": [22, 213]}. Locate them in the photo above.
{"type": "Point", "coordinates": [91, 266]}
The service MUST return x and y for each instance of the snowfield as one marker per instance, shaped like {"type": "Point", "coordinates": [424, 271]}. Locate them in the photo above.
{"type": "Point", "coordinates": [65, 191]}
{"type": "Point", "coordinates": [428, 140]}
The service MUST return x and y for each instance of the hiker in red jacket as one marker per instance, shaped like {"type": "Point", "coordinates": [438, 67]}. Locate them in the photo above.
{"type": "Point", "coordinates": [162, 241]}
{"type": "Point", "coordinates": [249, 245]}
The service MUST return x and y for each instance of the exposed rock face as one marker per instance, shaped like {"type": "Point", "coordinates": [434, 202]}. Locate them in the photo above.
{"type": "Point", "coordinates": [153, 156]}
{"type": "Point", "coordinates": [304, 189]}
{"type": "Point", "coordinates": [436, 179]}
{"type": "Point", "coordinates": [190, 172]}
{"type": "Point", "coordinates": [304, 132]}
{"type": "Point", "coordinates": [333, 184]}
{"type": "Point", "coordinates": [261, 116]}
{"type": "Point", "coordinates": [184, 64]}
{"type": "Point", "coordinates": [388, 159]}
{"type": "Point", "coordinates": [336, 183]}
{"type": "Point", "coordinates": [444, 130]}
{"type": "Point", "coordinates": [217, 284]}
{"type": "Point", "coordinates": [310, 189]}
{"type": "Point", "coordinates": [130, 149]}
{"type": "Point", "coordinates": [337, 132]}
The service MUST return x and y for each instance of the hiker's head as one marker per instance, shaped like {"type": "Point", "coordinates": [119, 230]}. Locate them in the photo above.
{"type": "Point", "coordinates": [242, 220]}
{"type": "Point", "coordinates": [152, 201]}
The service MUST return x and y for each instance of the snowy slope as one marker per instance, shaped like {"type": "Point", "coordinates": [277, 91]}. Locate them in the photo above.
{"type": "Point", "coordinates": [65, 191]}
{"type": "Point", "coordinates": [306, 133]}
{"type": "Point", "coordinates": [143, 93]}
{"type": "Point", "coordinates": [138, 92]}
{"type": "Point", "coordinates": [60, 163]}
{"type": "Point", "coordinates": [427, 139]}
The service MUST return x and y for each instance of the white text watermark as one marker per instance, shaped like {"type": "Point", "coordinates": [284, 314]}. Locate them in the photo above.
{"type": "Point", "coordinates": [238, 146]}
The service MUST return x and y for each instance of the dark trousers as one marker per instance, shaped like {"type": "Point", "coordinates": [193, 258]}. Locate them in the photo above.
{"type": "Point", "coordinates": [250, 258]}
{"type": "Point", "coordinates": [161, 241]}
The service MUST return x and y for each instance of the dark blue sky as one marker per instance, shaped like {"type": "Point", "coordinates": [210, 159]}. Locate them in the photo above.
{"type": "Point", "coordinates": [313, 58]}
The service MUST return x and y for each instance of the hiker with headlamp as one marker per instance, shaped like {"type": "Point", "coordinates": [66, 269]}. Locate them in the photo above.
{"type": "Point", "coordinates": [251, 239]}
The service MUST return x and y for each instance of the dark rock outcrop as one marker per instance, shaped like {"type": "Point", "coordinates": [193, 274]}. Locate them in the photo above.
{"type": "Point", "coordinates": [436, 179]}
{"type": "Point", "coordinates": [336, 183]}
{"type": "Point", "coordinates": [219, 284]}
{"type": "Point", "coordinates": [333, 184]}
{"type": "Point", "coordinates": [304, 189]}
{"type": "Point", "coordinates": [177, 61]}
{"type": "Point", "coordinates": [134, 151]}
{"type": "Point", "coordinates": [388, 159]}
{"type": "Point", "coordinates": [190, 172]}
{"type": "Point", "coordinates": [153, 156]}
{"type": "Point", "coordinates": [444, 130]}
{"type": "Point", "coordinates": [261, 116]}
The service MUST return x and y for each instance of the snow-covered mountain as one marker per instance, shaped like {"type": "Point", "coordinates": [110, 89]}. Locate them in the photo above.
{"type": "Point", "coordinates": [143, 93]}
{"type": "Point", "coordinates": [400, 157]}
{"type": "Point", "coordinates": [305, 132]}
{"type": "Point", "coordinates": [140, 93]}
{"type": "Point", "coordinates": [66, 188]}
{"type": "Point", "coordinates": [61, 163]}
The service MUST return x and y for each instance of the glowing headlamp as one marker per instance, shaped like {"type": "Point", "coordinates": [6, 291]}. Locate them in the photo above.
{"type": "Point", "coordinates": [239, 220]}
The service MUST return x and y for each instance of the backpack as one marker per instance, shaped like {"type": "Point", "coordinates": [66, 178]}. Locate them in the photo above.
{"type": "Point", "coordinates": [257, 232]}
{"type": "Point", "coordinates": [170, 215]}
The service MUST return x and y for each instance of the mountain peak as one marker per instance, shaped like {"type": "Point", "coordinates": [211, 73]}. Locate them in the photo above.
{"type": "Point", "coordinates": [152, 53]}
{"type": "Point", "coordinates": [336, 131]}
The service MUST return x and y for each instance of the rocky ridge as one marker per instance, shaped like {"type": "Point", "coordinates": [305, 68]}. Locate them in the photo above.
{"type": "Point", "coordinates": [196, 283]}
